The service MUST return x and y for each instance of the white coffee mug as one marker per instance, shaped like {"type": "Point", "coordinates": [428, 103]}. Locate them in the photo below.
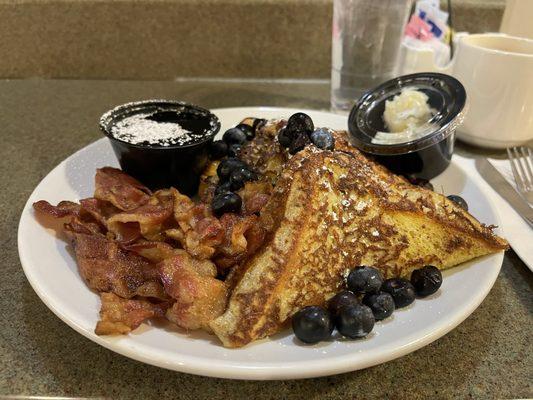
{"type": "Point", "coordinates": [497, 72]}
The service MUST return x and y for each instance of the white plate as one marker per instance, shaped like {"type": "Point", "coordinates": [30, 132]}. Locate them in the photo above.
{"type": "Point", "coordinates": [52, 271]}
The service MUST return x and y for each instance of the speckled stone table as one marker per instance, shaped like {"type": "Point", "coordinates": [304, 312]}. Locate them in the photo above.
{"type": "Point", "coordinates": [41, 122]}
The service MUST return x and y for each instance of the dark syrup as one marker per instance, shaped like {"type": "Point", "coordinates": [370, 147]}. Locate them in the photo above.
{"type": "Point", "coordinates": [197, 124]}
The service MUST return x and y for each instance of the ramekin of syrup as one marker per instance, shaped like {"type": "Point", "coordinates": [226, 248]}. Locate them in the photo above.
{"type": "Point", "coordinates": [162, 143]}
{"type": "Point", "coordinates": [423, 152]}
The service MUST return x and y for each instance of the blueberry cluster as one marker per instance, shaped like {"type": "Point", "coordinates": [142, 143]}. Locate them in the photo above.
{"type": "Point", "coordinates": [300, 131]}
{"type": "Point", "coordinates": [232, 172]}
{"type": "Point", "coordinates": [232, 175]}
{"type": "Point", "coordinates": [233, 139]}
{"type": "Point", "coordinates": [368, 299]}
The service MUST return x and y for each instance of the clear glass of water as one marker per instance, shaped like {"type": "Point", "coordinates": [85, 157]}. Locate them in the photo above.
{"type": "Point", "coordinates": [366, 41]}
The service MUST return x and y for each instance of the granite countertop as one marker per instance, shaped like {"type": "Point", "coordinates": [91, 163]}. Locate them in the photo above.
{"type": "Point", "coordinates": [42, 122]}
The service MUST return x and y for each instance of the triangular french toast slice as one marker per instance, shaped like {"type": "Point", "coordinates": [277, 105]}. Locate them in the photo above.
{"type": "Point", "coordinates": [331, 211]}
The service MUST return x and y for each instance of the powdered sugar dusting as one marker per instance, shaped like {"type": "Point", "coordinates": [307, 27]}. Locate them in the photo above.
{"type": "Point", "coordinates": [137, 129]}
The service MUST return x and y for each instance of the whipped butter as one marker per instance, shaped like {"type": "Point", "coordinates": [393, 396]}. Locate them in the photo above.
{"type": "Point", "coordinates": [406, 117]}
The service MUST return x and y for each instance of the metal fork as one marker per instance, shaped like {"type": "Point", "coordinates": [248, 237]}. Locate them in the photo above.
{"type": "Point", "coordinates": [521, 159]}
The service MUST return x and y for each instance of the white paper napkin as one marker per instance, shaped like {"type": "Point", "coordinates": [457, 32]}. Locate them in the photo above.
{"type": "Point", "coordinates": [504, 168]}
{"type": "Point", "coordinates": [517, 231]}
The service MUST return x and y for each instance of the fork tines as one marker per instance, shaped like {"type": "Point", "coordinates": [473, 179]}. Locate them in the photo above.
{"type": "Point", "coordinates": [521, 159]}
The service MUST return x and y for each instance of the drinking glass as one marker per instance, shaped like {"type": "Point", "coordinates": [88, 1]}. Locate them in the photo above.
{"type": "Point", "coordinates": [366, 38]}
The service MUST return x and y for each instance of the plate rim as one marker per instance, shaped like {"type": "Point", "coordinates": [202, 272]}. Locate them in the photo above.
{"type": "Point", "coordinates": [267, 371]}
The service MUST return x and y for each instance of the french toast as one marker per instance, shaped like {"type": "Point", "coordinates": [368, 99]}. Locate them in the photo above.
{"type": "Point", "coordinates": [330, 211]}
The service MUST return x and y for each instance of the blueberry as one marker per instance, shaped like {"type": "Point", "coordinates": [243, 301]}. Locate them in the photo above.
{"type": "Point", "coordinates": [300, 122]}
{"type": "Point", "coordinates": [323, 139]}
{"type": "Point", "coordinates": [248, 130]}
{"type": "Point", "coordinates": [401, 290]}
{"type": "Point", "coordinates": [223, 188]}
{"type": "Point", "coordinates": [312, 324]}
{"type": "Point", "coordinates": [248, 174]}
{"type": "Point", "coordinates": [426, 280]}
{"type": "Point", "coordinates": [344, 298]}
{"type": "Point", "coordinates": [234, 136]}
{"type": "Point", "coordinates": [381, 303]}
{"type": "Point", "coordinates": [226, 203]}
{"type": "Point", "coordinates": [285, 137]}
{"type": "Point", "coordinates": [364, 280]}
{"type": "Point", "coordinates": [258, 124]}
{"type": "Point", "coordinates": [240, 176]}
{"type": "Point", "coordinates": [459, 201]}
{"type": "Point", "coordinates": [299, 143]}
{"type": "Point", "coordinates": [234, 150]}
{"type": "Point", "coordinates": [237, 179]}
{"type": "Point", "coordinates": [419, 182]}
{"type": "Point", "coordinates": [355, 321]}
{"type": "Point", "coordinates": [227, 166]}
{"type": "Point", "coordinates": [218, 149]}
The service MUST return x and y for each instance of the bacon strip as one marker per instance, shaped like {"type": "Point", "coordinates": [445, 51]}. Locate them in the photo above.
{"type": "Point", "coordinates": [200, 297]}
{"type": "Point", "coordinates": [120, 189]}
{"type": "Point", "coordinates": [63, 208]}
{"type": "Point", "coordinates": [78, 220]}
{"type": "Point", "coordinates": [153, 251]}
{"type": "Point", "coordinates": [199, 232]}
{"type": "Point", "coordinates": [254, 196]}
{"type": "Point", "coordinates": [108, 268]}
{"type": "Point", "coordinates": [243, 236]}
{"type": "Point", "coordinates": [77, 225]}
{"type": "Point", "coordinates": [150, 217]}
{"type": "Point", "coordinates": [121, 316]}
{"type": "Point", "coordinates": [100, 210]}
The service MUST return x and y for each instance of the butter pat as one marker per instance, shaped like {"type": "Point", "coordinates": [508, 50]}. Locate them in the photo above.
{"type": "Point", "coordinates": [407, 111]}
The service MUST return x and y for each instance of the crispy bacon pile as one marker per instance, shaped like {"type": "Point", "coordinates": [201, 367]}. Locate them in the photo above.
{"type": "Point", "coordinates": [155, 254]}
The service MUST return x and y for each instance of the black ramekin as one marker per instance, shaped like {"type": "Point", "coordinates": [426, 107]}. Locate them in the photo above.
{"type": "Point", "coordinates": [159, 166]}
{"type": "Point", "coordinates": [424, 157]}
